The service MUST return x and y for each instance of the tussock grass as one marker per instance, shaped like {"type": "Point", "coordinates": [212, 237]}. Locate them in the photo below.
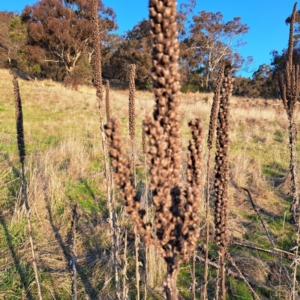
{"type": "Point", "coordinates": [65, 164]}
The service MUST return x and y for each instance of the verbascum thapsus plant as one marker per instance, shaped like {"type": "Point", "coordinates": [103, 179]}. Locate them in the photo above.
{"type": "Point", "coordinates": [289, 83]}
{"type": "Point", "coordinates": [109, 182]}
{"type": "Point", "coordinates": [131, 109]}
{"type": "Point", "coordinates": [222, 177]}
{"type": "Point", "coordinates": [210, 139]}
{"type": "Point", "coordinates": [22, 155]}
{"type": "Point", "coordinates": [215, 107]}
{"type": "Point", "coordinates": [19, 121]}
{"type": "Point", "coordinates": [97, 56]}
{"type": "Point", "coordinates": [176, 204]}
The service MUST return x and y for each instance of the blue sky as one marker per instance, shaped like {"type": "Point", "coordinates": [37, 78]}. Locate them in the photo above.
{"type": "Point", "coordinates": [264, 17]}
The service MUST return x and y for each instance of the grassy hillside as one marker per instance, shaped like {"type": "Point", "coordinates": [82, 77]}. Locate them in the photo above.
{"type": "Point", "coordinates": [64, 166]}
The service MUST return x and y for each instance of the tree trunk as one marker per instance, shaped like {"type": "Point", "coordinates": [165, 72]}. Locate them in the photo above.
{"type": "Point", "coordinates": [207, 80]}
{"type": "Point", "coordinates": [56, 74]}
{"type": "Point", "coordinates": [210, 81]}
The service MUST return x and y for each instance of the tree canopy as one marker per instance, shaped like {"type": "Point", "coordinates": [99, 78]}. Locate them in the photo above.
{"type": "Point", "coordinates": [12, 37]}
{"type": "Point", "coordinates": [53, 38]}
{"type": "Point", "coordinates": [61, 32]}
{"type": "Point", "coordinates": [212, 40]}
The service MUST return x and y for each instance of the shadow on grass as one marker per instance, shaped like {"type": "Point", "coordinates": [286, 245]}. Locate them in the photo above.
{"type": "Point", "coordinates": [23, 277]}
{"type": "Point", "coordinates": [66, 249]}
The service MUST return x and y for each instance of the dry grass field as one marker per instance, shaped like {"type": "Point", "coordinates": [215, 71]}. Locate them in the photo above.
{"type": "Point", "coordinates": [64, 166]}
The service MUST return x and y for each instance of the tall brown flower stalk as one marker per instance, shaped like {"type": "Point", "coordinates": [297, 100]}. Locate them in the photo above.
{"type": "Point", "coordinates": [108, 173]}
{"type": "Point", "coordinates": [176, 205]}
{"type": "Point", "coordinates": [222, 177]}
{"type": "Point", "coordinates": [22, 155]}
{"type": "Point", "coordinates": [194, 167]}
{"type": "Point", "coordinates": [211, 133]}
{"type": "Point", "coordinates": [144, 149]}
{"type": "Point", "coordinates": [131, 115]}
{"type": "Point", "coordinates": [107, 101]}
{"type": "Point", "coordinates": [289, 89]}
{"type": "Point", "coordinates": [124, 272]}
{"type": "Point", "coordinates": [74, 255]}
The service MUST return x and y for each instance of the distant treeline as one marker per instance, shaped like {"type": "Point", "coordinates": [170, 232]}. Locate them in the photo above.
{"type": "Point", "coordinates": [53, 39]}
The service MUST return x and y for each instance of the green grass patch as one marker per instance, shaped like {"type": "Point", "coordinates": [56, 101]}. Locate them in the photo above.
{"type": "Point", "coordinates": [239, 290]}
{"type": "Point", "coordinates": [279, 136]}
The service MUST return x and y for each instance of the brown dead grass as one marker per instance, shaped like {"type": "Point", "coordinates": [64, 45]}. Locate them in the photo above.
{"type": "Point", "coordinates": [64, 153]}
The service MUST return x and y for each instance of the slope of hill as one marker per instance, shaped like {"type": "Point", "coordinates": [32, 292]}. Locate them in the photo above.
{"type": "Point", "coordinates": [64, 166]}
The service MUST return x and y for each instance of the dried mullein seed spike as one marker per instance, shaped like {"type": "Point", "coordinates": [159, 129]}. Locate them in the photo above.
{"type": "Point", "coordinates": [165, 162]}
{"type": "Point", "coordinates": [195, 153]}
{"type": "Point", "coordinates": [215, 107]}
{"type": "Point", "coordinates": [289, 90]}
{"type": "Point", "coordinates": [221, 178]}
{"type": "Point", "coordinates": [22, 154]}
{"type": "Point", "coordinates": [131, 101]}
{"type": "Point", "coordinates": [98, 57]}
{"type": "Point", "coordinates": [109, 181]}
{"type": "Point", "coordinates": [176, 205]}
{"type": "Point", "coordinates": [131, 113]}
{"type": "Point", "coordinates": [122, 178]}
{"type": "Point", "coordinates": [19, 120]}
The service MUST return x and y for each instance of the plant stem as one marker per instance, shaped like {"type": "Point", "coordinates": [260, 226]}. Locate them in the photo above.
{"type": "Point", "coordinates": [207, 227]}
{"type": "Point", "coordinates": [24, 192]}
{"type": "Point", "coordinates": [74, 253]}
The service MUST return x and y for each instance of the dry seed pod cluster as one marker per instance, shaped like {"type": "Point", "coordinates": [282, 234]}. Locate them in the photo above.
{"type": "Point", "coordinates": [123, 174]}
{"type": "Point", "coordinates": [166, 77]}
{"type": "Point", "coordinates": [221, 165]}
{"type": "Point", "coordinates": [107, 101]}
{"type": "Point", "coordinates": [176, 206]}
{"type": "Point", "coordinates": [97, 56]}
{"type": "Point", "coordinates": [164, 130]}
{"type": "Point", "coordinates": [215, 107]}
{"type": "Point", "coordinates": [195, 153]}
{"type": "Point", "coordinates": [289, 80]}
{"type": "Point", "coordinates": [289, 83]}
{"type": "Point", "coordinates": [19, 120]}
{"type": "Point", "coordinates": [176, 219]}
{"type": "Point", "coordinates": [131, 102]}
{"type": "Point", "coordinates": [190, 228]}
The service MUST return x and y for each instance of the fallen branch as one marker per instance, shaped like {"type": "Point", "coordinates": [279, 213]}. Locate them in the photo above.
{"type": "Point", "coordinates": [286, 254]}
